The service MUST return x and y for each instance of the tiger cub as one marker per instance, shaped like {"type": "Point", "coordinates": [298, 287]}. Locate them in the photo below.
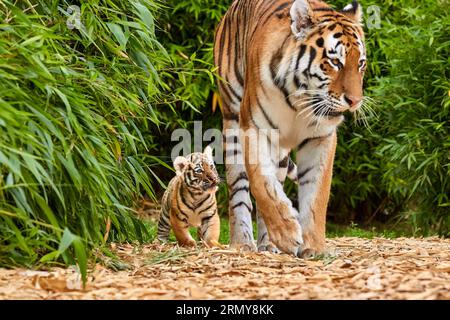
{"type": "Point", "coordinates": [190, 201]}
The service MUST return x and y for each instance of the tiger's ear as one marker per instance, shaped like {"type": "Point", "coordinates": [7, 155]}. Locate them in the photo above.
{"type": "Point", "coordinates": [180, 164]}
{"type": "Point", "coordinates": [208, 152]}
{"type": "Point", "coordinates": [303, 18]}
{"type": "Point", "coordinates": [354, 11]}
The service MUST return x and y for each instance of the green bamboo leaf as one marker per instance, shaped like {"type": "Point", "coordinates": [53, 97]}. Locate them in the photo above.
{"type": "Point", "coordinates": [145, 15]}
{"type": "Point", "coordinates": [66, 241]}
{"type": "Point", "coordinates": [48, 212]}
{"type": "Point", "coordinates": [50, 256]}
{"type": "Point", "coordinates": [118, 34]}
{"type": "Point", "coordinates": [80, 252]}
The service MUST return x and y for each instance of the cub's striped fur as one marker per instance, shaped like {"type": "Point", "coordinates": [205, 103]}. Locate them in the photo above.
{"type": "Point", "coordinates": [291, 66]}
{"type": "Point", "coordinates": [190, 201]}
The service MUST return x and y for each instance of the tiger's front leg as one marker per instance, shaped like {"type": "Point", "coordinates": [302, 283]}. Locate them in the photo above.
{"type": "Point", "coordinates": [181, 230]}
{"type": "Point", "coordinates": [315, 158]}
{"type": "Point", "coordinates": [285, 168]}
{"type": "Point", "coordinates": [240, 204]}
{"type": "Point", "coordinates": [273, 205]}
{"type": "Point", "coordinates": [209, 231]}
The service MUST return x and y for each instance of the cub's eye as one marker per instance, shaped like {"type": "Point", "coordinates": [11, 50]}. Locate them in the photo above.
{"type": "Point", "coordinates": [362, 64]}
{"type": "Point", "coordinates": [336, 62]}
{"type": "Point", "coordinates": [198, 170]}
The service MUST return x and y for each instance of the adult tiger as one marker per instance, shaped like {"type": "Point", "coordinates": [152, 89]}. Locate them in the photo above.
{"type": "Point", "coordinates": [294, 67]}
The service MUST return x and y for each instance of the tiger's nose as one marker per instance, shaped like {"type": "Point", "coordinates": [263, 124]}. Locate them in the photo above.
{"type": "Point", "coordinates": [353, 101]}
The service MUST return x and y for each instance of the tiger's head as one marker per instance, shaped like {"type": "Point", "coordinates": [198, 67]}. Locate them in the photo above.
{"type": "Point", "coordinates": [198, 171]}
{"type": "Point", "coordinates": [331, 61]}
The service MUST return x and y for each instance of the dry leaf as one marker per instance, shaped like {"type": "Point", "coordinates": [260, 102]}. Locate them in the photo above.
{"type": "Point", "coordinates": [443, 268]}
{"type": "Point", "coordinates": [198, 293]}
{"type": "Point", "coordinates": [347, 263]}
{"type": "Point", "coordinates": [32, 273]}
{"type": "Point", "coordinates": [52, 284]}
{"type": "Point", "coordinates": [404, 268]}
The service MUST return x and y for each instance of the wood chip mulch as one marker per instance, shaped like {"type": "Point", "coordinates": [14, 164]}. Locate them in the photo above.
{"type": "Point", "coordinates": [353, 268]}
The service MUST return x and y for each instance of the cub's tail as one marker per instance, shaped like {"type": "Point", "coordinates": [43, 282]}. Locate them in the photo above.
{"type": "Point", "coordinates": [164, 221]}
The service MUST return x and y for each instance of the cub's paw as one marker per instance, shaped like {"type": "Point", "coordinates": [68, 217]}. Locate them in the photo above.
{"type": "Point", "coordinates": [188, 244]}
{"type": "Point", "coordinates": [213, 244]}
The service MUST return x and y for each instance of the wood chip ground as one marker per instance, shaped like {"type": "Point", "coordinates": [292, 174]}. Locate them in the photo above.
{"type": "Point", "coordinates": [353, 268]}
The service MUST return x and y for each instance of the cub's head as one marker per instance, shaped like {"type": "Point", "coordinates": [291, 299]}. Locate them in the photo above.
{"type": "Point", "coordinates": [198, 171]}
{"type": "Point", "coordinates": [331, 60]}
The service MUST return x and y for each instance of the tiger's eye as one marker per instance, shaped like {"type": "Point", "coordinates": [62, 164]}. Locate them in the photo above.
{"type": "Point", "coordinates": [336, 62]}
{"type": "Point", "coordinates": [362, 64]}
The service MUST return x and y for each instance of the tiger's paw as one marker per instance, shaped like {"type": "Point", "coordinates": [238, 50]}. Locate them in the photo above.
{"type": "Point", "coordinates": [242, 239]}
{"type": "Point", "coordinates": [269, 247]}
{"type": "Point", "coordinates": [248, 246]}
{"type": "Point", "coordinates": [308, 253]}
{"type": "Point", "coordinates": [314, 245]}
{"type": "Point", "coordinates": [288, 237]}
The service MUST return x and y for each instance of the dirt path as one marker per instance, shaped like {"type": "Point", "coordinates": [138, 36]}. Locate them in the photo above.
{"type": "Point", "coordinates": [353, 269]}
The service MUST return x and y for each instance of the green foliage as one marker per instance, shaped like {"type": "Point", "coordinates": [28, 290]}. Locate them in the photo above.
{"type": "Point", "coordinates": [353, 230]}
{"type": "Point", "coordinates": [401, 167]}
{"type": "Point", "coordinates": [187, 33]}
{"type": "Point", "coordinates": [75, 107]}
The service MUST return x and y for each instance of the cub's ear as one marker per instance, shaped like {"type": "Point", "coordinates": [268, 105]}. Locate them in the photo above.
{"type": "Point", "coordinates": [303, 18]}
{"type": "Point", "coordinates": [180, 164]}
{"type": "Point", "coordinates": [208, 152]}
{"type": "Point", "coordinates": [354, 11]}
